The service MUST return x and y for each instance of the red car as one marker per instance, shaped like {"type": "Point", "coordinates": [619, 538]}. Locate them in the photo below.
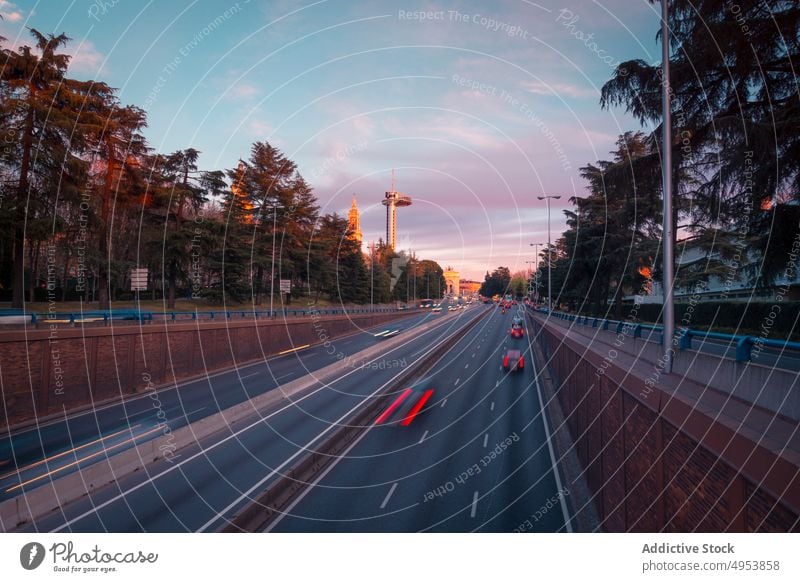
{"type": "Point", "coordinates": [513, 361]}
{"type": "Point", "coordinates": [516, 331]}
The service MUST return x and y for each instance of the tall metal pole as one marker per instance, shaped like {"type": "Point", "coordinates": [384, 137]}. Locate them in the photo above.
{"type": "Point", "coordinates": [274, 208]}
{"type": "Point", "coordinates": [549, 265]}
{"type": "Point", "coordinates": [549, 254]}
{"type": "Point", "coordinates": [537, 245]}
{"type": "Point", "coordinates": [666, 172]}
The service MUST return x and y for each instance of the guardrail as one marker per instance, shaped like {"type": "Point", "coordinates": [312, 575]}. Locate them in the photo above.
{"type": "Point", "coordinates": [11, 317]}
{"type": "Point", "coordinates": [744, 343]}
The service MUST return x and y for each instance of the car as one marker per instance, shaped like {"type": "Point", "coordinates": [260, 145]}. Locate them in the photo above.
{"type": "Point", "coordinates": [517, 320]}
{"type": "Point", "coordinates": [513, 361]}
{"type": "Point", "coordinates": [436, 309]}
{"type": "Point", "coordinates": [517, 331]}
{"type": "Point", "coordinates": [387, 333]}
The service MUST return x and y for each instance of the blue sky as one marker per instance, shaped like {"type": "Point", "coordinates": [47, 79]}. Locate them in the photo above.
{"type": "Point", "coordinates": [479, 106]}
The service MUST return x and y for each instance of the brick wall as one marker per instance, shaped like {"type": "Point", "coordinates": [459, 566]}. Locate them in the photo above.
{"type": "Point", "coordinates": [44, 371]}
{"type": "Point", "coordinates": [644, 465]}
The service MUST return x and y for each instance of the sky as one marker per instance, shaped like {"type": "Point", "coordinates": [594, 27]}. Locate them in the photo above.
{"type": "Point", "coordinates": [478, 107]}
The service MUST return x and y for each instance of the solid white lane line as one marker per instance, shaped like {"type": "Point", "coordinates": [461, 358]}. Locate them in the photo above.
{"type": "Point", "coordinates": [474, 505]}
{"type": "Point", "coordinates": [485, 440]}
{"type": "Point", "coordinates": [388, 496]}
{"type": "Point", "coordinates": [444, 402]}
{"type": "Point", "coordinates": [564, 510]}
{"type": "Point", "coordinates": [251, 375]}
{"type": "Point", "coordinates": [492, 406]}
{"type": "Point", "coordinates": [423, 436]}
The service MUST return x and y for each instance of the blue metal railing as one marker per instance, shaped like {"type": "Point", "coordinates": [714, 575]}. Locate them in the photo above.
{"type": "Point", "coordinates": [743, 343]}
{"type": "Point", "coordinates": [16, 316]}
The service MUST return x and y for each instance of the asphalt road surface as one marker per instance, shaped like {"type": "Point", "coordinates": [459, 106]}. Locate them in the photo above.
{"type": "Point", "coordinates": [476, 458]}
{"type": "Point", "coordinates": [207, 483]}
{"type": "Point", "coordinates": [55, 448]}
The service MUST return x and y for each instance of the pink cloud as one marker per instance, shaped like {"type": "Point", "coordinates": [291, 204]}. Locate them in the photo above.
{"type": "Point", "coordinates": [10, 12]}
{"type": "Point", "coordinates": [88, 60]}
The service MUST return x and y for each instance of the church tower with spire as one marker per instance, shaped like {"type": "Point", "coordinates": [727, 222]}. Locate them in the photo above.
{"type": "Point", "coordinates": [354, 222]}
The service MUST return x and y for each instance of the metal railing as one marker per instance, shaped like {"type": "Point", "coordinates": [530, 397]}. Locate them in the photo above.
{"type": "Point", "coordinates": [11, 317]}
{"type": "Point", "coordinates": [743, 343]}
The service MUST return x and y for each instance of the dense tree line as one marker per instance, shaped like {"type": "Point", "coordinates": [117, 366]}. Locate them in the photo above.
{"type": "Point", "coordinates": [736, 159]}
{"type": "Point", "coordinates": [84, 199]}
{"type": "Point", "coordinates": [496, 283]}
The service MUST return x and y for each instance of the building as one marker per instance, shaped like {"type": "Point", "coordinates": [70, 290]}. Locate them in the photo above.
{"type": "Point", "coordinates": [734, 281]}
{"type": "Point", "coordinates": [468, 287]}
{"type": "Point", "coordinates": [452, 281]}
{"type": "Point", "coordinates": [392, 200]}
{"type": "Point", "coordinates": [354, 222]}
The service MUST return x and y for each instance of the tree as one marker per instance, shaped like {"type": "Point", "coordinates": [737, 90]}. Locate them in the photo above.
{"type": "Point", "coordinates": [270, 178]}
{"type": "Point", "coordinates": [736, 112]}
{"type": "Point", "coordinates": [118, 148]}
{"type": "Point", "coordinates": [497, 283]}
{"type": "Point", "coordinates": [179, 191]}
{"type": "Point", "coordinates": [40, 111]}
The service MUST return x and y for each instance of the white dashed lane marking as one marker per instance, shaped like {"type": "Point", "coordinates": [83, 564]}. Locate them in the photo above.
{"type": "Point", "coordinates": [388, 496]}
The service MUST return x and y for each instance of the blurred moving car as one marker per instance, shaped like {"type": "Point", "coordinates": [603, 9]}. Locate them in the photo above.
{"type": "Point", "coordinates": [387, 333]}
{"type": "Point", "coordinates": [516, 330]}
{"type": "Point", "coordinates": [513, 361]}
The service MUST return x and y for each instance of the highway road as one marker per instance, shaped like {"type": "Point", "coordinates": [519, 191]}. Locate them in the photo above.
{"type": "Point", "coordinates": [60, 446]}
{"type": "Point", "coordinates": [210, 481]}
{"type": "Point", "coordinates": [475, 459]}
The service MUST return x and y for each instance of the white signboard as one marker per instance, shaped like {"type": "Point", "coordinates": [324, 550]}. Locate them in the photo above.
{"type": "Point", "coordinates": [286, 285]}
{"type": "Point", "coordinates": [138, 279]}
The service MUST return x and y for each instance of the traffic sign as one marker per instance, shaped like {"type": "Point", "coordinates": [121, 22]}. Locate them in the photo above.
{"type": "Point", "coordinates": [138, 279]}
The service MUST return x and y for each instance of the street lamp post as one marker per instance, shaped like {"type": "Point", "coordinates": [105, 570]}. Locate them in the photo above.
{"type": "Point", "coordinates": [666, 174]}
{"type": "Point", "coordinates": [274, 207]}
{"type": "Point", "coordinates": [372, 277]}
{"type": "Point", "coordinates": [530, 276]}
{"type": "Point", "coordinates": [549, 252]}
{"type": "Point", "coordinates": [537, 245]}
